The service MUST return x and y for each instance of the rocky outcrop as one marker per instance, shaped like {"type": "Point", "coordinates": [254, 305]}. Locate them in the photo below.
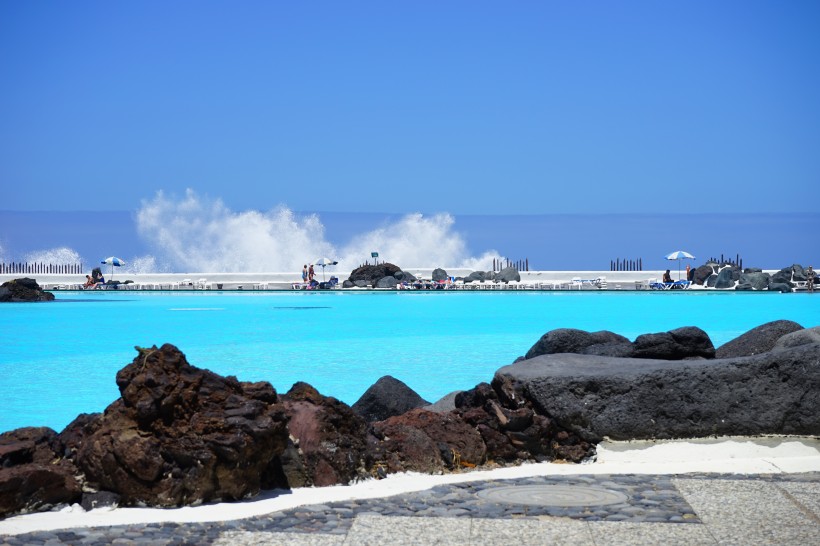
{"type": "Point", "coordinates": [425, 441]}
{"type": "Point", "coordinates": [799, 337]}
{"type": "Point", "coordinates": [182, 435]}
{"type": "Point", "coordinates": [479, 276]}
{"type": "Point", "coordinates": [508, 274]}
{"type": "Point", "coordinates": [757, 340]}
{"type": "Point", "coordinates": [387, 397]}
{"type": "Point", "coordinates": [570, 340]}
{"type": "Point", "coordinates": [702, 273]}
{"type": "Point", "coordinates": [439, 275]}
{"type": "Point", "coordinates": [370, 274]}
{"type": "Point", "coordinates": [328, 440]}
{"type": "Point", "coordinates": [756, 280]}
{"type": "Point", "coordinates": [23, 290]}
{"type": "Point", "coordinates": [386, 282]}
{"type": "Point", "coordinates": [32, 474]}
{"type": "Point", "coordinates": [679, 344]}
{"type": "Point", "coordinates": [777, 392]}
{"type": "Point", "coordinates": [727, 277]}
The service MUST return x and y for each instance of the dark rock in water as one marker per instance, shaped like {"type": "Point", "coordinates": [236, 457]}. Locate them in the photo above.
{"type": "Point", "coordinates": [387, 282]}
{"type": "Point", "coordinates": [508, 274]}
{"type": "Point", "coordinates": [711, 281]}
{"type": "Point", "coordinates": [702, 273]}
{"type": "Point", "coordinates": [777, 392]}
{"type": "Point", "coordinates": [799, 337]}
{"type": "Point", "coordinates": [360, 284]}
{"type": "Point", "coordinates": [755, 280]}
{"type": "Point", "coordinates": [32, 474]}
{"type": "Point", "coordinates": [757, 340]}
{"type": "Point", "coordinates": [744, 286]}
{"type": "Point", "coordinates": [348, 284]}
{"type": "Point", "coordinates": [23, 290]}
{"type": "Point", "coordinates": [782, 287]}
{"type": "Point", "coordinates": [182, 435]}
{"type": "Point", "coordinates": [726, 278]}
{"type": "Point", "coordinates": [687, 342]}
{"type": "Point", "coordinates": [439, 275]}
{"type": "Point", "coordinates": [570, 340]}
{"type": "Point", "coordinates": [425, 441]}
{"type": "Point", "coordinates": [385, 398]}
{"type": "Point", "coordinates": [329, 440]}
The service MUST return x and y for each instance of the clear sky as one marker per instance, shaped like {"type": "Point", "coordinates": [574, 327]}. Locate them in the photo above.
{"type": "Point", "coordinates": [462, 107]}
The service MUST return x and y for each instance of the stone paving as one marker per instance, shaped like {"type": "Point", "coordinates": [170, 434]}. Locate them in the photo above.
{"type": "Point", "coordinates": [682, 509]}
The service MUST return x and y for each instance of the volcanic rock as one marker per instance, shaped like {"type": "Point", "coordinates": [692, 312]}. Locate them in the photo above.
{"type": "Point", "coordinates": [387, 397]}
{"type": "Point", "coordinates": [799, 337]}
{"type": "Point", "coordinates": [372, 273]}
{"type": "Point", "coordinates": [726, 278]}
{"type": "Point", "coordinates": [329, 440]}
{"type": "Point", "coordinates": [23, 290]}
{"type": "Point", "coordinates": [777, 392]}
{"type": "Point", "coordinates": [782, 287]}
{"type": "Point", "coordinates": [678, 344]}
{"type": "Point", "coordinates": [386, 282]}
{"type": "Point", "coordinates": [425, 441]}
{"type": "Point", "coordinates": [757, 280]}
{"type": "Point", "coordinates": [508, 274]}
{"type": "Point", "coordinates": [439, 275]}
{"type": "Point", "coordinates": [757, 340]}
{"type": "Point", "coordinates": [32, 476]}
{"type": "Point", "coordinates": [570, 340]}
{"type": "Point", "coordinates": [702, 273]}
{"type": "Point", "coordinates": [182, 435]}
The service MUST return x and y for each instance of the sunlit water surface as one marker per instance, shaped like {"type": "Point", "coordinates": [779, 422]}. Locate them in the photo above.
{"type": "Point", "coordinates": [59, 359]}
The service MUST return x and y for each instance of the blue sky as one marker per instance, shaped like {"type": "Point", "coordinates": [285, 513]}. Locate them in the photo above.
{"type": "Point", "coordinates": [463, 107]}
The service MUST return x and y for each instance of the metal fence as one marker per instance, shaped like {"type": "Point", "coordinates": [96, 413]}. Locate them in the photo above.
{"type": "Point", "coordinates": [26, 268]}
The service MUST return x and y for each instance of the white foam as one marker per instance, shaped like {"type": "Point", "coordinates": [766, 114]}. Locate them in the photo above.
{"type": "Point", "coordinates": [197, 233]}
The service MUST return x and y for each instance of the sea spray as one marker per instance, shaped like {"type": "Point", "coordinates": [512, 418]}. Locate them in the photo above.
{"type": "Point", "coordinates": [197, 233]}
{"type": "Point", "coordinates": [55, 256]}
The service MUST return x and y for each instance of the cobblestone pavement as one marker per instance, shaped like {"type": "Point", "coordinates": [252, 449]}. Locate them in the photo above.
{"type": "Point", "coordinates": [641, 509]}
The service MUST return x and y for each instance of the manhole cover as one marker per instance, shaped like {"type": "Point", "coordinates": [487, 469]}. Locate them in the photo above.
{"type": "Point", "coordinates": [553, 495]}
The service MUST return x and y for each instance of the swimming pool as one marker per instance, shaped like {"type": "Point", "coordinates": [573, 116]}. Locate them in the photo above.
{"type": "Point", "coordinates": [60, 359]}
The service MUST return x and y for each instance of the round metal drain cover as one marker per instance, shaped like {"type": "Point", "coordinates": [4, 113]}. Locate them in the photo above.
{"type": "Point", "coordinates": [553, 495]}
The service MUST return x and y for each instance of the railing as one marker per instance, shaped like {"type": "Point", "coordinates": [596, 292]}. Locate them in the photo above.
{"type": "Point", "coordinates": [26, 268]}
{"type": "Point", "coordinates": [624, 264]}
{"type": "Point", "coordinates": [503, 263]}
{"type": "Point", "coordinates": [738, 261]}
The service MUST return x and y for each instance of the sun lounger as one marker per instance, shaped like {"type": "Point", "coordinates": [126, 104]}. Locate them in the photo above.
{"type": "Point", "coordinates": [677, 285]}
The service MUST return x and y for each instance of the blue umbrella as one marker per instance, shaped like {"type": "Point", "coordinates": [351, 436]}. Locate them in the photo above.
{"type": "Point", "coordinates": [679, 255]}
{"type": "Point", "coordinates": [113, 261]}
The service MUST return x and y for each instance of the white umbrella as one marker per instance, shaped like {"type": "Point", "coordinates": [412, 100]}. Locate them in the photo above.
{"type": "Point", "coordinates": [113, 261]}
{"type": "Point", "coordinates": [324, 262]}
{"type": "Point", "coordinates": [679, 255]}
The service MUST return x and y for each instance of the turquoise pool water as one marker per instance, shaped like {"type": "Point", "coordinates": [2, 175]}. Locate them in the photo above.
{"type": "Point", "coordinates": [60, 359]}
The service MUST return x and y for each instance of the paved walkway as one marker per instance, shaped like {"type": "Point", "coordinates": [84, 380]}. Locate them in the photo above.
{"type": "Point", "coordinates": [638, 509]}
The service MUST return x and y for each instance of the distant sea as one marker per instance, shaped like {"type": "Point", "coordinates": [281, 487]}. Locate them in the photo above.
{"type": "Point", "coordinates": [547, 242]}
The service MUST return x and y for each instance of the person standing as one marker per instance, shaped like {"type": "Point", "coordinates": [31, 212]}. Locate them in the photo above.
{"type": "Point", "coordinates": [304, 273]}
{"type": "Point", "coordinates": [810, 275]}
{"type": "Point", "coordinates": [311, 273]}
